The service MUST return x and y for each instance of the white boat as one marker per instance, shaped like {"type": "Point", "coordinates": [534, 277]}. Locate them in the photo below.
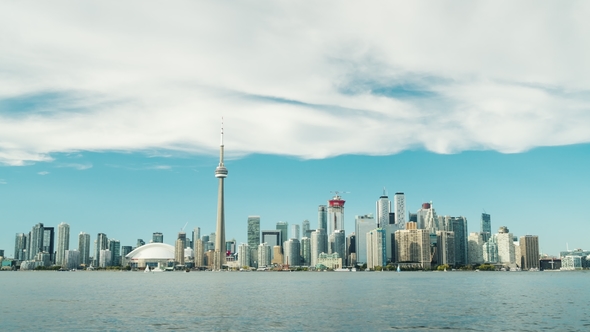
{"type": "Point", "coordinates": [353, 269]}
{"type": "Point", "coordinates": [147, 269]}
{"type": "Point", "coordinates": [398, 269]}
{"type": "Point", "coordinates": [341, 270]}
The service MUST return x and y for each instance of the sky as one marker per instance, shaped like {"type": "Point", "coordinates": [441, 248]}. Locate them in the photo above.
{"type": "Point", "coordinates": [110, 114]}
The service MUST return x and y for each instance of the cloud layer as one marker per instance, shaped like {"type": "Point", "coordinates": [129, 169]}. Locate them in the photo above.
{"type": "Point", "coordinates": [303, 79]}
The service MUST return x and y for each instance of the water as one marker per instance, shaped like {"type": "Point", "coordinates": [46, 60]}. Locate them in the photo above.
{"type": "Point", "coordinates": [296, 301]}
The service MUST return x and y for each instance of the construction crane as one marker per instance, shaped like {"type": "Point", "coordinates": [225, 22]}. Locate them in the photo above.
{"type": "Point", "coordinates": [183, 227]}
{"type": "Point", "coordinates": [337, 193]}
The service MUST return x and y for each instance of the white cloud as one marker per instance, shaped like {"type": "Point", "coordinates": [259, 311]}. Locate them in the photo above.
{"type": "Point", "coordinates": [2, 181]}
{"type": "Point", "coordinates": [77, 166]}
{"type": "Point", "coordinates": [292, 78]}
{"type": "Point", "coordinates": [43, 173]}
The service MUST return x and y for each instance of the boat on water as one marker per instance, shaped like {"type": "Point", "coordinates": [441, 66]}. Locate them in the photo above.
{"type": "Point", "coordinates": [398, 269]}
{"type": "Point", "coordinates": [353, 269]}
{"type": "Point", "coordinates": [341, 270]}
{"type": "Point", "coordinates": [147, 269]}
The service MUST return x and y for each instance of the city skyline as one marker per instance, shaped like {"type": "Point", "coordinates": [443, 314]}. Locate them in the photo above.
{"type": "Point", "coordinates": [113, 128]}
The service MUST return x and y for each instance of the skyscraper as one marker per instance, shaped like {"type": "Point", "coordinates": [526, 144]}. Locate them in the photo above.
{"type": "Point", "coordinates": [505, 242]}
{"type": "Point", "coordinates": [63, 243]}
{"type": "Point", "coordinates": [253, 238]}
{"type": "Point", "coordinates": [459, 226]}
{"type": "Point", "coordinates": [338, 244]}
{"type": "Point", "coordinates": [363, 225]}
{"type": "Point", "coordinates": [529, 248]}
{"type": "Point", "coordinates": [158, 237]}
{"type": "Point", "coordinates": [486, 226]}
{"type": "Point", "coordinates": [35, 244]}
{"type": "Point", "coordinates": [283, 226]}
{"type": "Point", "coordinates": [399, 208]}
{"type": "Point", "coordinates": [375, 247]}
{"type": "Point", "coordinates": [20, 247]}
{"type": "Point", "coordinates": [244, 255]}
{"type": "Point", "coordinates": [115, 249]}
{"type": "Point", "coordinates": [295, 232]}
{"type": "Point", "coordinates": [305, 251]}
{"type": "Point", "coordinates": [475, 252]}
{"type": "Point", "coordinates": [335, 214]}
{"type": "Point", "coordinates": [221, 174]}
{"type": "Point", "coordinates": [196, 236]}
{"type": "Point", "coordinates": [263, 255]}
{"type": "Point", "coordinates": [49, 242]}
{"type": "Point", "coordinates": [413, 245]}
{"type": "Point", "coordinates": [319, 241]}
{"type": "Point", "coordinates": [292, 248]}
{"type": "Point", "coordinates": [272, 238]}
{"type": "Point", "coordinates": [102, 243]}
{"type": "Point", "coordinates": [323, 217]}
{"type": "Point", "coordinates": [179, 246]}
{"type": "Point", "coordinates": [305, 229]}
{"type": "Point", "coordinates": [84, 248]}
{"type": "Point", "coordinates": [383, 210]}
{"type": "Point", "coordinates": [445, 248]}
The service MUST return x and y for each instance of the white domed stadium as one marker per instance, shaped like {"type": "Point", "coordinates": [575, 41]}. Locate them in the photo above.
{"type": "Point", "coordinates": [152, 254]}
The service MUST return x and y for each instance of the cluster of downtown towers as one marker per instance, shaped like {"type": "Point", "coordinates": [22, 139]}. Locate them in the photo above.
{"type": "Point", "coordinates": [423, 240]}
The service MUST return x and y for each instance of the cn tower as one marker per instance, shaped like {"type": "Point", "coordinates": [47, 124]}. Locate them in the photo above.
{"type": "Point", "coordinates": [220, 173]}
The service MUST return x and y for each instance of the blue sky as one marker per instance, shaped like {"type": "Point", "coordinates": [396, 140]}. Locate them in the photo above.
{"type": "Point", "coordinates": [110, 113]}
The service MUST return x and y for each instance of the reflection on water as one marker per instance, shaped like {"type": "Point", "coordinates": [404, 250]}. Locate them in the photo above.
{"type": "Point", "coordinates": [330, 301]}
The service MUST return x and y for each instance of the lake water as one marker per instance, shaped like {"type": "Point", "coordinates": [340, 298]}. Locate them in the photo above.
{"type": "Point", "coordinates": [296, 301]}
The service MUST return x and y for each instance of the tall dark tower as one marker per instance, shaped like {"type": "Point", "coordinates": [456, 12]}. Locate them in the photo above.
{"type": "Point", "coordinates": [221, 174]}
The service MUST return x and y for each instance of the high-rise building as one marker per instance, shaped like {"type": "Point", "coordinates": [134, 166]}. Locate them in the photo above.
{"type": "Point", "coordinates": [475, 244]}
{"type": "Point", "coordinates": [272, 238]}
{"type": "Point", "coordinates": [102, 243]}
{"type": "Point", "coordinates": [413, 245]}
{"type": "Point", "coordinates": [351, 249]}
{"type": "Point", "coordinates": [335, 214]}
{"type": "Point", "coordinates": [124, 251]}
{"type": "Point", "coordinates": [20, 247]}
{"type": "Point", "coordinates": [445, 248]}
{"type": "Point", "coordinates": [305, 251]}
{"type": "Point", "coordinates": [115, 249]}
{"type": "Point", "coordinates": [263, 255]}
{"type": "Point", "coordinates": [292, 249]}
{"type": "Point", "coordinates": [84, 249]}
{"type": "Point", "coordinates": [399, 208]}
{"type": "Point", "coordinates": [305, 229]}
{"type": "Point", "coordinates": [486, 226]}
{"type": "Point", "coordinates": [338, 244]}
{"type": "Point", "coordinates": [490, 250]}
{"type": "Point", "coordinates": [529, 248]}
{"type": "Point", "coordinates": [158, 237]}
{"type": "Point", "coordinates": [196, 236]}
{"type": "Point", "coordinates": [71, 259]}
{"type": "Point", "coordinates": [199, 253]}
{"type": "Point", "coordinates": [323, 217]}
{"type": "Point", "coordinates": [63, 243]}
{"type": "Point", "coordinates": [459, 226]}
{"type": "Point", "coordinates": [283, 226]}
{"type": "Point", "coordinates": [140, 242]}
{"type": "Point", "coordinates": [49, 242]}
{"type": "Point", "coordinates": [253, 238]}
{"type": "Point", "coordinates": [104, 258]}
{"type": "Point", "coordinates": [427, 218]}
{"type": "Point", "coordinates": [35, 245]}
{"type": "Point", "coordinates": [376, 255]}
{"type": "Point", "coordinates": [505, 242]}
{"type": "Point", "coordinates": [244, 255]}
{"type": "Point", "coordinates": [221, 174]}
{"type": "Point", "coordinates": [179, 247]}
{"type": "Point", "coordinates": [230, 246]}
{"type": "Point", "coordinates": [318, 244]}
{"type": "Point", "coordinates": [253, 231]}
{"type": "Point", "coordinates": [295, 232]}
{"type": "Point", "coordinates": [383, 210]}
{"type": "Point", "coordinates": [363, 225]}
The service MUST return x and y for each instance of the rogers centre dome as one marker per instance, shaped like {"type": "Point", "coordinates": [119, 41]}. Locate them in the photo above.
{"type": "Point", "coordinates": [151, 254]}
